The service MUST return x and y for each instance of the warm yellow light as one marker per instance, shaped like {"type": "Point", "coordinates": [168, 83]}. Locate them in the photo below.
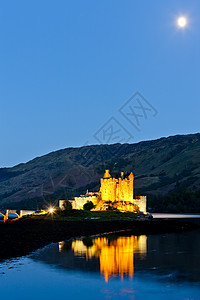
{"type": "Point", "coordinates": [182, 22]}
{"type": "Point", "coordinates": [116, 257]}
{"type": "Point", "coordinates": [51, 210]}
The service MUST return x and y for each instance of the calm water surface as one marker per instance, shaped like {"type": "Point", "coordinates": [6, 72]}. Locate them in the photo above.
{"type": "Point", "coordinates": [114, 266]}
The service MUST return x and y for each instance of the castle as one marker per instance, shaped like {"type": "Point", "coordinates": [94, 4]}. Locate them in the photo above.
{"type": "Point", "coordinates": [114, 193]}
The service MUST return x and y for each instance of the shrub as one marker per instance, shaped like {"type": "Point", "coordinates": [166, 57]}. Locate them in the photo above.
{"type": "Point", "coordinates": [57, 210]}
{"type": "Point", "coordinates": [88, 206]}
{"type": "Point", "coordinates": [67, 205]}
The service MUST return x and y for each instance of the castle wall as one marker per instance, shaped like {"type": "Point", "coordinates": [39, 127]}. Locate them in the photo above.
{"type": "Point", "coordinates": [78, 202]}
{"type": "Point", "coordinates": [141, 202]}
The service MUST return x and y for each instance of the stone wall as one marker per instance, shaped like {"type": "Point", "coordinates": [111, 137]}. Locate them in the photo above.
{"type": "Point", "coordinates": [141, 202]}
{"type": "Point", "coordinates": [78, 202]}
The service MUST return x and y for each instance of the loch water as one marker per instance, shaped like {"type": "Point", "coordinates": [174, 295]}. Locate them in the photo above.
{"type": "Point", "coordinates": [112, 266]}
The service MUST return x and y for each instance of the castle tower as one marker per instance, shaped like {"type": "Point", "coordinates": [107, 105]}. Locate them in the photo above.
{"type": "Point", "coordinates": [108, 187]}
{"type": "Point", "coordinates": [116, 189]}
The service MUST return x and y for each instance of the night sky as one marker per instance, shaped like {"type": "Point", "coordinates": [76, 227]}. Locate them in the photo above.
{"type": "Point", "coordinates": [68, 68]}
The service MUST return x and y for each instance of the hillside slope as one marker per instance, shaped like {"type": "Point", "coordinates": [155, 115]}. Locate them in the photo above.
{"type": "Point", "coordinates": [162, 168]}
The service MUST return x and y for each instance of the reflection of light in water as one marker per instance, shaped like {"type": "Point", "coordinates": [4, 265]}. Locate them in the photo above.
{"type": "Point", "coordinates": [116, 256]}
{"type": "Point", "coordinates": [141, 246]}
{"type": "Point", "coordinates": [61, 245]}
{"type": "Point", "coordinates": [79, 248]}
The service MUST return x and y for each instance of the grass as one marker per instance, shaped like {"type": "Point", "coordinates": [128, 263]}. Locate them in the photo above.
{"type": "Point", "coordinates": [82, 215]}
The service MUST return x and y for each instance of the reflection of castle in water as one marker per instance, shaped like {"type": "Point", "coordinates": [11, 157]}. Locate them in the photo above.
{"type": "Point", "coordinates": [116, 256]}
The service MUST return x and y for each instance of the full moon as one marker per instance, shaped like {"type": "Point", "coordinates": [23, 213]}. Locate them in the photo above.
{"type": "Point", "coordinates": [182, 22]}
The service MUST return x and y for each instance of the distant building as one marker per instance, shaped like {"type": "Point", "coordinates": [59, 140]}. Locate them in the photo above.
{"type": "Point", "coordinates": [114, 193]}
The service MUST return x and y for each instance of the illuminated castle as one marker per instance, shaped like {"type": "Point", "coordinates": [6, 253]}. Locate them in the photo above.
{"type": "Point", "coordinates": [114, 193]}
{"type": "Point", "coordinates": [117, 193]}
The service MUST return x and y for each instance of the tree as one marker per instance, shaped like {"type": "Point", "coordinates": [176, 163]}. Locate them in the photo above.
{"type": "Point", "coordinates": [67, 205]}
{"type": "Point", "coordinates": [88, 205]}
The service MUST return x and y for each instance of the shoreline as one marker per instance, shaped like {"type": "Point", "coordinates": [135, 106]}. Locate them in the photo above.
{"type": "Point", "coordinates": [21, 237]}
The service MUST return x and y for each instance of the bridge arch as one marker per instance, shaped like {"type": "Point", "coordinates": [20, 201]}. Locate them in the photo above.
{"type": "Point", "coordinates": [3, 217]}
{"type": "Point", "coordinates": [10, 212]}
{"type": "Point", "coordinates": [15, 214]}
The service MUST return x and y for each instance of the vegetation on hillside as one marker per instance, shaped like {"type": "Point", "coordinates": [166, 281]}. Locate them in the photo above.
{"type": "Point", "coordinates": [167, 170]}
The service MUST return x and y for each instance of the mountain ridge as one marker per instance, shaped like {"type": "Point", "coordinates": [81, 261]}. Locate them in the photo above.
{"type": "Point", "coordinates": [159, 166]}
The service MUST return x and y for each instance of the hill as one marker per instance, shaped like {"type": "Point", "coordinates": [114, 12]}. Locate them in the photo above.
{"type": "Point", "coordinates": [166, 169]}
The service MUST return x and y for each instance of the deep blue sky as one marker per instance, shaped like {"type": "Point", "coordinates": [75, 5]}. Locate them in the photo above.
{"type": "Point", "coordinates": [66, 67]}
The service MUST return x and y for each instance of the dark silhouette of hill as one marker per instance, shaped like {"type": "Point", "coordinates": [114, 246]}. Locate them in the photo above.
{"type": "Point", "coordinates": [166, 169]}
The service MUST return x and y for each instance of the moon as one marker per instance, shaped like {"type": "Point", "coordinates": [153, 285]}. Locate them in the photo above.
{"type": "Point", "coordinates": [182, 22]}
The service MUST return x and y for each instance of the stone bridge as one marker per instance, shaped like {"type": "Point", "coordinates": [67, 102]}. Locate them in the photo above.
{"type": "Point", "coordinates": [19, 213]}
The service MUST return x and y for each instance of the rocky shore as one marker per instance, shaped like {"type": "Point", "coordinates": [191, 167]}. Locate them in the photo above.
{"type": "Point", "coordinates": [22, 236]}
